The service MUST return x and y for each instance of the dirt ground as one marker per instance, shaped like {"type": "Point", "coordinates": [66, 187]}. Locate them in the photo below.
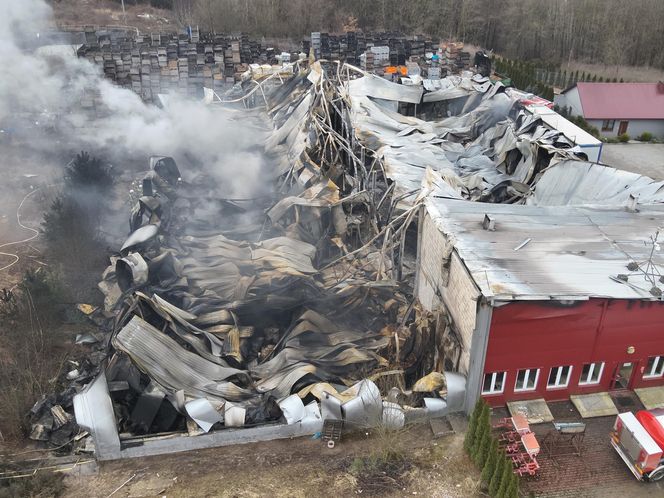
{"type": "Point", "coordinates": [298, 467]}
{"type": "Point", "coordinates": [32, 172]}
{"type": "Point", "coordinates": [76, 13]}
{"type": "Point", "coordinates": [628, 73]}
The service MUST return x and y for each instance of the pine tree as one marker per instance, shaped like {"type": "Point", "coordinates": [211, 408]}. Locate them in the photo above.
{"type": "Point", "coordinates": [482, 432]}
{"type": "Point", "coordinates": [88, 173]}
{"type": "Point", "coordinates": [480, 436]}
{"type": "Point", "coordinates": [622, 80]}
{"type": "Point", "coordinates": [469, 440]}
{"type": "Point", "coordinates": [601, 79]}
{"type": "Point", "coordinates": [513, 488]}
{"type": "Point", "coordinates": [505, 479]}
{"type": "Point", "coordinates": [594, 80]}
{"type": "Point", "coordinates": [576, 76]}
{"type": "Point", "coordinates": [491, 461]}
{"type": "Point", "coordinates": [494, 484]}
{"type": "Point", "coordinates": [583, 77]}
{"type": "Point", "coordinates": [485, 448]}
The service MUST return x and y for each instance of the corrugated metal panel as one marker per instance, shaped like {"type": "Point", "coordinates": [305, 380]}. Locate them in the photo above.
{"type": "Point", "coordinates": [572, 252]}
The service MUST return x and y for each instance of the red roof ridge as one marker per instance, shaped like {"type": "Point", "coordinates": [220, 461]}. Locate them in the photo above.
{"type": "Point", "coordinates": [632, 100]}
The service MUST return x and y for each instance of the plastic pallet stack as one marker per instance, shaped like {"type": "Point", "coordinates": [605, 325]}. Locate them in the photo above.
{"type": "Point", "coordinates": [166, 63]}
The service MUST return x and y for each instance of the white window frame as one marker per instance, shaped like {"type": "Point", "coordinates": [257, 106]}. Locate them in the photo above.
{"type": "Point", "coordinates": [590, 374]}
{"type": "Point", "coordinates": [658, 363]}
{"type": "Point", "coordinates": [529, 372]}
{"type": "Point", "coordinates": [557, 384]}
{"type": "Point", "coordinates": [494, 377]}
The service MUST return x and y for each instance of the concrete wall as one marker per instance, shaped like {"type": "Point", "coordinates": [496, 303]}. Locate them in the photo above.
{"type": "Point", "coordinates": [570, 99]}
{"type": "Point", "coordinates": [635, 127]}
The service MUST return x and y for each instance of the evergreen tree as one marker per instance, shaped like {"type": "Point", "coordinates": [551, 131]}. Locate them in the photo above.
{"type": "Point", "coordinates": [622, 80]}
{"type": "Point", "coordinates": [491, 461]}
{"type": "Point", "coordinates": [469, 440]}
{"type": "Point", "coordinates": [513, 488]}
{"type": "Point", "coordinates": [594, 80]}
{"type": "Point", "coordinates": [576, 76]}
{"type": "Point", "coordinates": [482, 432]}
{"type": "Point", "coordinates": [485, 447]}
{"type": "Point", "coordinates": [583, 77]}
{"type": "Point", "coordinates": [601, 79]}
{"type": "Point", "coordinates": [494, 484]}
{"type": "Point", "coordinates": [505, 479]}
{"type": "Point", "coordinates": [88, 173]}
{"type": "Point", "coordinates": [481, 436]}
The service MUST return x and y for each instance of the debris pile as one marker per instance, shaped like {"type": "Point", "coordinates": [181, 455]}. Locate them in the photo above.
{"type": "Point", "coordinates": [298, 308]}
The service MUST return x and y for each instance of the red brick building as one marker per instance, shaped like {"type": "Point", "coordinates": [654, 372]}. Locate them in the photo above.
{"type": "Point", "coordinates": [546, 301]}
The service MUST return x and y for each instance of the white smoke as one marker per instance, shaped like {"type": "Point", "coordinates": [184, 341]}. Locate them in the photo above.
{"type": "Point", "coordinates": [224, 142]}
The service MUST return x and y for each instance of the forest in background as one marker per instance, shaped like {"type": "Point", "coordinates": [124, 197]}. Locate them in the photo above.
{"type": "Point", "coordinates": [613, 32]}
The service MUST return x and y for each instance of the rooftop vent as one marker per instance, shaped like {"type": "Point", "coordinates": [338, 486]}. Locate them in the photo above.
{"type": "Point", "coordinates": [488, 223]}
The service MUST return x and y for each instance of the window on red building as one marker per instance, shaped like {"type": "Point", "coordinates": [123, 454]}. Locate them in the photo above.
{"type": "Point", "coordinates": [494, 383]}
{"type": "Point", "coordinates": [655, 367]}
{"type": "Point", "coordinates": [526, 380]}
{"type": "Point", "coordinates": [591, 373]}
{"type": "Point", "coordinates": [559, 377]}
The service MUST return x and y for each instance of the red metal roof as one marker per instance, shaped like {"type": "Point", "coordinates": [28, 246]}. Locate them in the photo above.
{"type": "Point", "coordinates": [622, 100]}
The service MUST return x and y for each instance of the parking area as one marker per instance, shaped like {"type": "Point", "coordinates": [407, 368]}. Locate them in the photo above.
{"type": "Point", "coordinates": [644, 159]}
{"type": "Point", "coordinates": [598, 472]}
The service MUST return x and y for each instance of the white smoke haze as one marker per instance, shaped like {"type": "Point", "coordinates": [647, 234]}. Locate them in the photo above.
{"type": "Point", "coordinates": [226, 143]}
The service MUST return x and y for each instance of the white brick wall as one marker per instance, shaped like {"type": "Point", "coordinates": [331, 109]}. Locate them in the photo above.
{"type": "Point", "coordinates": [460, 297]}
{"type": "Point", "coordinates": [442, 280]}
{"type": "Point", "coordinates": [430, 269]}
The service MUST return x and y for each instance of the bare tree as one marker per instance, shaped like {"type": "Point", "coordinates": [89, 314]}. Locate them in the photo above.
{"type": "Point", "coordinates": [184, 11]}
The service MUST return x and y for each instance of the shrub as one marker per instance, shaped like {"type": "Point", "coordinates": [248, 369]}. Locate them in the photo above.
{"type": "Point", "coordinates": [491, 462]}
{"type": "Point", "coordinates": [482, 436]}
{"type": "Point", "coordinates": [482, 454]}
{"type": "Point", "coordinates": [88, 173]}
{"type": "Point", "coordinates": [624, 138]}
{"type": "Point", "coordinates": [513, 488]}
{"type": "Point", "coordinates": [494, 484]}
{"type": "Point", "coordinates": [41, 484]}
{"type": "Point", "coordinates": [31, 353]}
{"type": "Point", "coordinates": [469, 439]}
{"type": "Point", "coordinates": [505, 479]}
{"type": "Point", "coordinates": [162, 4]}
{"type": "Point", "coordinates": [645, 137]}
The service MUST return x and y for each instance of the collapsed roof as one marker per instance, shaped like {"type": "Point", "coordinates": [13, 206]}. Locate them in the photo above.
{"type": "Point", "coordinates": [221, 322]}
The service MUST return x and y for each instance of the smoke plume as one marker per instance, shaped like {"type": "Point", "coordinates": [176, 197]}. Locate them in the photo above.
{"type": "Point", "coordinates": [41, 91]}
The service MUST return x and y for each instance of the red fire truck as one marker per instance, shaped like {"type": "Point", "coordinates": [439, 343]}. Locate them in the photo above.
{"type": "Point", "coordinates": [639, 440]}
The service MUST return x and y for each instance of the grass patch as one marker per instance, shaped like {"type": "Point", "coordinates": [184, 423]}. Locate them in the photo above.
{"type": "Point", "coordinates": [31, 353]}
{"type": "Point", "coordinates": [40, 485]}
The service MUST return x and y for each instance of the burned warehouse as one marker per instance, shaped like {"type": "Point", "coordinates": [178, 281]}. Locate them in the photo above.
{"type": "Point", "coordinates": [425, 244]}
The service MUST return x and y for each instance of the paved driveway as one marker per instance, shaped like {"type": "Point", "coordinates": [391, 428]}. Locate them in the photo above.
{"type": "Point", "coordinates": [644, 159]}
